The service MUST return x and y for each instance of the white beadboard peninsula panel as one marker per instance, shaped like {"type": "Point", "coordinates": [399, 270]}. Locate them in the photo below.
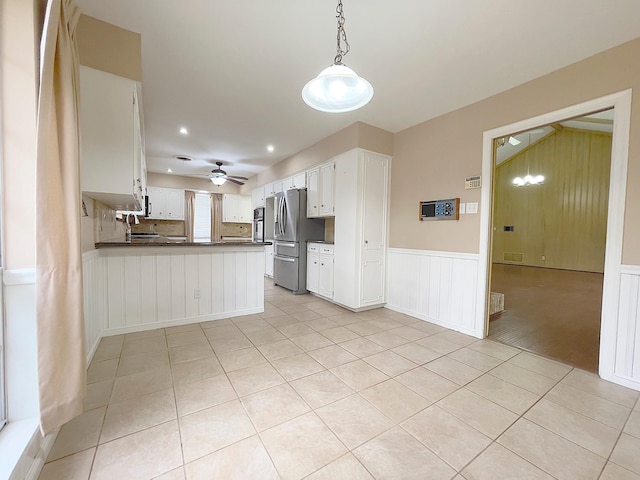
{"type": "Point", "coordinates": [128, 290]}
{"type": "Point", "coordinates": [627, 352]}
{"type": "Point", "coordinates": [95, 319]}
{"type": "Point", "coordinates": [439, 287]}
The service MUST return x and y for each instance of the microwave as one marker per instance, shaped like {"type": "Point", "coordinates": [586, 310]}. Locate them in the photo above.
{"type": "Point", "coordinates": [258, 214]}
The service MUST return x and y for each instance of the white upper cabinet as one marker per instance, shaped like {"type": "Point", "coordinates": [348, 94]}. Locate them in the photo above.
{"type": "Point", "coordinates": [112, 145]}
{"type": "Point", "coordinates": [270, 189]}
{"type": "Point", "coordinates": [236, 208]}
{"type": "Point", "coordinates": [313, 192]}
{"type": "Point", "coordinates": [361, 215]}
{"type": "Point", "coordinates": [165, 203]}
{"type": "Point", "coordinates": [326, 189]}
{"type": "Point", "coordinates": [175, 204]}
{"type": "Point", "coordinates": [295, 181]}
{"type": "Point", "coordinates": [320, 187]}
{"type": "Point", "coordinates": [230, 208]}
{"type": "Point", "coordinates": [257, 197]}
{"type": "Point", "coordinates": [245, 209]}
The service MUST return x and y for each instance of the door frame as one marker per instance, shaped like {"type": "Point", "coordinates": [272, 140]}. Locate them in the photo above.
{"type": "Point", "coordinates": [621, 103]}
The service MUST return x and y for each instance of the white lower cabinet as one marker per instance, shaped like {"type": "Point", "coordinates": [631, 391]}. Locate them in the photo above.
{"type": "Point", "coordinates": [320, 269]}
{"type": "Point", "coordinates": [268, 260]}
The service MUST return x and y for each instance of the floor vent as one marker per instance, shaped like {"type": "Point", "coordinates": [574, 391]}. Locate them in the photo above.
{"type": "Point", "coordinates": [513, 257]}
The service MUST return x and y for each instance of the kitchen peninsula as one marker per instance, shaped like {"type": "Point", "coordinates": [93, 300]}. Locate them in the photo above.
{"type": "Point", "coordinates": [147, 284]}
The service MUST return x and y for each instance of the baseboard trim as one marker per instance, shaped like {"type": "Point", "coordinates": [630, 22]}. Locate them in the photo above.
{"type": "Point", "coordinates": [176, 323]}
{"type": "Point", "coordinates": [435, 321]}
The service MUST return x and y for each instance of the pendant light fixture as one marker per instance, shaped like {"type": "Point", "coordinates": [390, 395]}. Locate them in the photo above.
{"type": "Point", "coordinates": [338, 88]}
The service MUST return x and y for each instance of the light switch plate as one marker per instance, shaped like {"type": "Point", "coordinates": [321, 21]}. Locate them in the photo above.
{"type": "Point", "coordinates": [462, 209]}
{"type": "Point", "coordinates": [472, 208]}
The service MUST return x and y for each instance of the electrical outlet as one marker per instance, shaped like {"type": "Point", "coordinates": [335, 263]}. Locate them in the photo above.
{"type": "Point", "coordinates": [196, 293]}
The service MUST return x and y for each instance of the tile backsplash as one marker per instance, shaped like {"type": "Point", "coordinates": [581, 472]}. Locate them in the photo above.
{"type": "Point", "coordinates": [236, 229]}
{"type": "Point", "coordinates": [162, 227]}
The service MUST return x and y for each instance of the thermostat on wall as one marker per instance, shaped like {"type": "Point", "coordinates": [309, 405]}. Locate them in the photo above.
{"type": "Point", "coordinates": [440, 209]}
{"type": "Point", "coordinates": [472, 182]}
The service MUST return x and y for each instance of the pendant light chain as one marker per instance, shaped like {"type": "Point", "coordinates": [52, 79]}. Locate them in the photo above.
{"type": "Point", "coordinates": [342, 35]}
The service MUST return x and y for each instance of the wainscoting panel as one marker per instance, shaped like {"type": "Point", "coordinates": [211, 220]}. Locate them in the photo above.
{"type": "Point", "coordinates": [439, 287]}
{"type": "Point", "coordinates": [627, 355]}
{"type": "Point", "coordinates": [95, 308]}
{"type": "Point", "coordinates": [133, 290]}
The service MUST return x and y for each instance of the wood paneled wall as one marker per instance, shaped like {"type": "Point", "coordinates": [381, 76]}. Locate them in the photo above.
{"type": "Point", "coordinates": [563, 220]}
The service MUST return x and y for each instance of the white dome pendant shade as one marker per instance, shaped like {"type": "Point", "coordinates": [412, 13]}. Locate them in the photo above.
{"type": "Point", "coordinates": [337, 89]}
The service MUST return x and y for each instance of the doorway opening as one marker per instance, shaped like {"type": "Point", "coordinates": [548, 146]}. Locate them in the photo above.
{"type": "Point", "coordinates": [550, 207]}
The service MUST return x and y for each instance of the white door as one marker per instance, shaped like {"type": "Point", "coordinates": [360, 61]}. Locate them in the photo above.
{"type": "Point", "coordinates": [373, 228]}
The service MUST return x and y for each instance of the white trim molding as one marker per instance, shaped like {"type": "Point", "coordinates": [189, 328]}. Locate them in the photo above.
{"type": "Point", "coordinates": [617, 319]}
{"type": "Point", "coordinates": [25, 276]}
{"type": "Point", "coordinates": [439, 287]}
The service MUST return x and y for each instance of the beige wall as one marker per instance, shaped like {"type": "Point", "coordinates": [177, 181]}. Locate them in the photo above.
{"type": "Point", "coordinates": [109, 48]}
{"type": "Point", "coordinates": [564, 219]}
{"type": "Point", "coordinates": [19, 33]}
{"type": "Point", "coordinates": [431, 159]}
{"type": "Point", "coordinates": [356, 135]}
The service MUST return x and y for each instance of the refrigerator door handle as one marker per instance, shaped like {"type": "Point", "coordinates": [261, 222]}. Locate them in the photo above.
{"type": "Point", "coordinates": [287, 244]}
{"type": "Point", "coordinates": [284, 259]}
{"type": "Point", "coordinates": [284, 214]}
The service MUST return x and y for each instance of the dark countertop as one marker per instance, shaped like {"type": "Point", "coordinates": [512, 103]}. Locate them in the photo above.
{"type": "Point", "coordinates": [163, 242]}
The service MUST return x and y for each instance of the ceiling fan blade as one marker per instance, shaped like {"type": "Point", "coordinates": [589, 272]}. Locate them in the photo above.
{"type": "Point", "coordinates": [237, 182]}
{"type": "Point", "coordinates": [237, 177]}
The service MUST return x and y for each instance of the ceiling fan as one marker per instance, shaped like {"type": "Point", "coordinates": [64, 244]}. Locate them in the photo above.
{"type": "Point", "coordinates": [219, 176]}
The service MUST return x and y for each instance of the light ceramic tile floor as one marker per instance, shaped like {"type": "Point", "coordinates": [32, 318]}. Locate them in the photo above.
{"type": "Point", "coordinates": [310, 390]}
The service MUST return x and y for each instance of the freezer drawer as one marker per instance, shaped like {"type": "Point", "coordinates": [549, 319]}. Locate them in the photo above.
{"type": "Point", "coordinates": [286, 272]}
{"type": "Point", "coordinates": [287, 249]}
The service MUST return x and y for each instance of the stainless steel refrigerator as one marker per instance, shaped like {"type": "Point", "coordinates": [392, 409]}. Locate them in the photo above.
{"type": "Point", "coordinates": [292, 229]}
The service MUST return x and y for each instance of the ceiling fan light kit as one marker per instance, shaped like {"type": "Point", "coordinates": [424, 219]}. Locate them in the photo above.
{"type": "Point", "coordinates": [219, 177]}
{"type": "Point", "coordinates": [338, 89]}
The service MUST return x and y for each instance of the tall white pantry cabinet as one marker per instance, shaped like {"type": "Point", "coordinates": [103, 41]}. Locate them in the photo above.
{"type": "Point", "coordinates": [361, 217]}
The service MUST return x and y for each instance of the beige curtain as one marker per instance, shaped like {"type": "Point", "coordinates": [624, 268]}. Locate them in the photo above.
{"type": "Point", "coordinates": [216, 217]}
{"type": "Point", "coordinates": [61, 339]}
{"type": "Point", "coordinates": [190, 212]}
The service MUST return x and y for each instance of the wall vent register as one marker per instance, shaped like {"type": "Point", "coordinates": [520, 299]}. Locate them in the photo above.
{"type": "Point", "coordinates": [440, 209]}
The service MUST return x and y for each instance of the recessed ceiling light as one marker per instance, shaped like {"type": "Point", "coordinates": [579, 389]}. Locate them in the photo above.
{"type": "Point", "coordinates": [169, 170]}
{"type": "Point", "coordinates": [270, 148]}
{"type": "Point", "coordinates": [183, 131]}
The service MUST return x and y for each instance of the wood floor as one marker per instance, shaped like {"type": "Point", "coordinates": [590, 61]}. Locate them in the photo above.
{"type": "Point", "coordinates": [555, 313]}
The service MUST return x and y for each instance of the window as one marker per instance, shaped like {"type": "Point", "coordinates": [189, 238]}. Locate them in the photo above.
{"type": "Point", "coordinates": [202, 218]}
